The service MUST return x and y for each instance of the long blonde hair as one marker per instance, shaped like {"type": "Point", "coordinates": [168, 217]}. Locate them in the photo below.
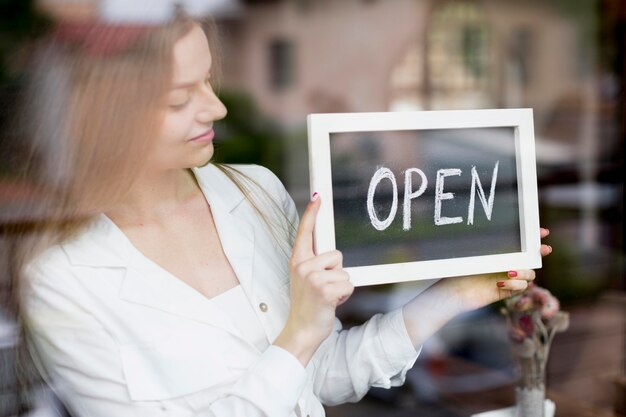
{"type": "Point", "coordinates": [92, 107]}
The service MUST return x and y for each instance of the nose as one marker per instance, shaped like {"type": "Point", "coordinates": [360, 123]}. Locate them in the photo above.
{"type": "Point", "coordinates": [211, 108]}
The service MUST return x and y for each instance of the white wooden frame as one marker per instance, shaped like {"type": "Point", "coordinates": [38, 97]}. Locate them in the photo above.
{"type": "Point", "coordinates": [320, 126]}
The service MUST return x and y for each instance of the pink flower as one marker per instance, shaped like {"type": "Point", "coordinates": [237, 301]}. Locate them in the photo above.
{"type": "Point", "coordinates": [540, 296]}
{"type": "Point", "coordinates": [533, 307]}
{"type": "Point", "coordinates": [524, 303]}
{"type": "Point", "coordinates": [547, 304]}
{"type": "Point", "coordinates": [550, 308]}
{"type": "Point", "coordinates": [526, 325]}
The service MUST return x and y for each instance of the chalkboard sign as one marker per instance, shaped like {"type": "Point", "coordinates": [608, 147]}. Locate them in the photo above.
{"type": "Point", "coordinates": [420, 195]}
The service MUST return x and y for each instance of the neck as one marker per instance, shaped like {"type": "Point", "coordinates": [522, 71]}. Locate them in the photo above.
{"type": "Point", "coordinates": [156, 195]}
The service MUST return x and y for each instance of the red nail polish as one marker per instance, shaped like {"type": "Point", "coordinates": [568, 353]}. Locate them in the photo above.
{"type": "Point", "coordinates": [314, 196]}
{"type": "Point", "coordinates": [500, 284]}
{"type": "Point", "coordinates": [512, 274]}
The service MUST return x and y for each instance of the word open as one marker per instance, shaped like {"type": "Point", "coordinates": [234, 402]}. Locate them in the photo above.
{"type": "Point", "coordinates": [410, 194]}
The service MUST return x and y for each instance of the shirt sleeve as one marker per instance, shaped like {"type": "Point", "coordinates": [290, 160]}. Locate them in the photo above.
{"type": "Point", "coordinates": [82, 363]}
{"type": "Point", "coordinates": [349, 362]}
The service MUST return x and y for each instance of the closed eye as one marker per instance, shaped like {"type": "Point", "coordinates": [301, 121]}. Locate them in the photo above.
{"type": "Point", "coordinates": [179, 106]}
{"type": "Point", "coordinates": [179, 99]}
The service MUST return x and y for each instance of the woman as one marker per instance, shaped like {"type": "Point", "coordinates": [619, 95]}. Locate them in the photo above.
{"type": "Point", "coordinates": [162, 284]}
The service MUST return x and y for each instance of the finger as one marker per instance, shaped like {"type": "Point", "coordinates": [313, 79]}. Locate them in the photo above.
{"type": "Point", "coordinates": [512, 285]}
{"type": "Point", "coordinates": [322, 279]}
{"type": "Point", "coordinates": [334, 276]}
{"type": "Point", "coordinates": [342, 300]}
{"type": "Point", "coordinates": [338, 291]}
{"type": "Point", "coordinates": [545, 250]}
{"type": "Point", "coordinates": [303, 243]}
{"type": "Point", "coordinates": [523, 274]}
{"type": "Point", "coordinates": [543, 232]}
{"type": "Point", "coordinates": [326, 261]}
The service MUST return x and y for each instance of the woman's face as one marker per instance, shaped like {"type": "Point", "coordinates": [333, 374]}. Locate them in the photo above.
{"type": "Point", "coordinates": [186, 136]}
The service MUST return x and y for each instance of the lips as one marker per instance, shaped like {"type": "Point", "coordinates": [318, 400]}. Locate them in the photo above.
{"type": "Point", "coordinates": [204, 137]}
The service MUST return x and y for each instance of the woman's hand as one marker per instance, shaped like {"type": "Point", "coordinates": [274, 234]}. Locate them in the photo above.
{"type": "Point", "coordinates": [480, 290]}
{"type": "Point", "coordinates": [518, 280]}
{"type": "Point", "coordinates": [318, 285]}
{"type": "Point", "coordinates": [431, 309]}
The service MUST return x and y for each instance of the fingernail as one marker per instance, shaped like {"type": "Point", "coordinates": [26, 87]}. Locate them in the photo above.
{"type": "Point", "coordinates": [315, 196]}
{"type": "Point", "coordinates": [500, 284]}
{"type": "Point", "coordinates": [512, 274]}
{"type": "Point", "coordinates": [550, 248]}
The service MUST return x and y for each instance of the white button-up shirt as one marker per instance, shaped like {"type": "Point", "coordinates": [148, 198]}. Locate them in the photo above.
{"type": "Point", "coordinates": [120, 336]}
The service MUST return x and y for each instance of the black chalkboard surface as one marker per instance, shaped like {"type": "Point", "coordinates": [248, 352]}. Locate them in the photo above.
{"type": "Point", "coordinates": [455, 197]}
{"type": "Point", "coordinates": [455, 233]}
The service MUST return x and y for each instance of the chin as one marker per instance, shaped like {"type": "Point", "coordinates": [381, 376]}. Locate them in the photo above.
{"type": "Point", "coordinates": [204, 158]}
{"type": "Point", "coordinates": [203, 164]}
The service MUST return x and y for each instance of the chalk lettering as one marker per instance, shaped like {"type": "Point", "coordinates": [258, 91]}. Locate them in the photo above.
{"type": "Point", "coordinates": [381, 173]}
{"type": "Point", "coordinates": [409, 194]}
{"type": "Point", "coordinates": [487, 204]}
{"type": "Point", "coordinates": [440, 196]}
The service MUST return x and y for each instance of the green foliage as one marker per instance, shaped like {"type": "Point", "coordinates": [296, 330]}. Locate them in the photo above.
{"type": "Point", "coordinates": [246, 136]}
{"type": "Point", "coordinates": [585, 13]}
{"type": "Point", "coordinates": [572, 272]}
{"type": "Point", "coordinates": [473, 45]}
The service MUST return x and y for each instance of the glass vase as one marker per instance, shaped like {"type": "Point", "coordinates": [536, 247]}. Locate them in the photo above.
{"type": "Point", "coordinates": [530, 391]}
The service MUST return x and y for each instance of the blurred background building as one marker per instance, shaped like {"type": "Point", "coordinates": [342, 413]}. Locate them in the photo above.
{"type": "Point", "coordinates": [284, 59]}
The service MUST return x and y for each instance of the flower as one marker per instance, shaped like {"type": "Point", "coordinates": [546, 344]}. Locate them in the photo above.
{"type": "Point", "coordinates": [526, 325]}
{"type": "Point", "coordinates": [560, 321]}
{"type": "Point", "coordinates": [523, 303]}
{"type": "Point", "coordinates": [533, 317]}
{"type": "Point", "coordinates": [534, 314]}
{"type": "Point", "coordinates": [539, 295]}
{"type": "Point", "coordinates": [550, 308]}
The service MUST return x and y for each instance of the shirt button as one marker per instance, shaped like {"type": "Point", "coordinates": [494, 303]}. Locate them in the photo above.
{"type": "Point", "coordinates": [263, 307]}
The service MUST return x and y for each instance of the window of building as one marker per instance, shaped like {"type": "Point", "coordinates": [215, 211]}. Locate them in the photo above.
{"type": "Point", "coordinates": [282, 64]}
{"type": "Point", "coordinates": [458, 56]}
{"type": "Point", "coordinates": [521, 51]}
